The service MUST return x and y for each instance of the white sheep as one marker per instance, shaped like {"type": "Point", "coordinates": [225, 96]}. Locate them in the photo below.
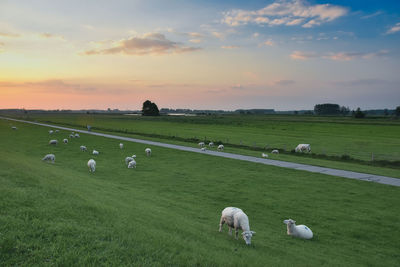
{"type": "Point", "coordinates": [95, 152]}
{"type": "Point", "coordinates": [211, 144]}
{"type": "Point", "coordinates": [300, 231]}
{"type": "Point", "coordinates": [303, 147]}
{"type": "Point", "coordinates": [83, 148]}
{"type": "Point", "coordinates": [65, 141]}
{"type": "Point", "coordinates": [14, 128]}
{"type": "Point", "coordinates": [132, 164]}
{"type": "Point", "coordinates": [236, 218]}
{"type": "Point", "coordinates": [202, 144]}
{"type": "Point", "coordinates": [92, 165]}
{"type": "Point", "coordinates": [264, 155]}
{"type": "Point", "coordinates": [275, 151]}
{"type": "Point", "coordinates": [77, 135]}
{"type": "Point", "coordinates": [56, 131]}
{"type": "Point", "coordinates": [51, 131]}
{"type": "Point", "coordinates": [148, 152]}
{"type": "Point", "coordinates": [129, 159]}
{"type": "Point", "coordinates": [203, 149]}
{"type": "Point", "coordinates": [121, 145]}
{"type": "Point", "coordinates": [49, 157]}
{"type": "Point", "coordinates": [220, 147]}
{"type": "Point", "coordinates": [53, 142]}
{"type": "Point", "coordinates": [71, 136]}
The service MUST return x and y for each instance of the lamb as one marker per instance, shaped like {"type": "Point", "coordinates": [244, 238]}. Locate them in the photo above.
{"type": "Point", "coordinates": [275, 151]}
{"type": "Point", "coordinates": [201, 144]}
{"type": "Point", "coordinates": [95, 152]}
{"type": "Point", "coordinates": [300, 231]}
{"type": "Point", "coordinates": [264, 155]}
{"type": "Point", "coordinates": [49, 157]}
{"type": "Point", "coordinates": [303, 147]}
{"type": "Point", "coordinates": [203, 149]}
{"type": "Point", "coordinates": [92, 165]}
{"type": "Point", "coordinates": [121, 145]}
{"type": "Point", "coordinates": [83, 148]}
{"type": "Point", "coordinates": [77, 135]}
{"type": "Point", "coordinates": [53, 142]}
{"type": "Point", "coordinates": [129, 159]}
{"type": "Point", "coordinates": [14, 128]}
{"type": "Point", "coordinates": [236, 218]}
{"type": "Point", "coordinates": [132, 164]}
{"type": "Point", "coordinates": [65, 141]}
{"type": "Point", "coordinates": [148, 152]}
{"type": "Point", "coordinates": [220, 147]}
{"type": "Point", "coordinates": [51, 131]}
{"type": "Point", "coordinates": [211, 144]}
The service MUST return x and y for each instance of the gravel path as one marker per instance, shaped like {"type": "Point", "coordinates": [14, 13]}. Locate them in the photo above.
{"type": "Point", "coordinates": [284, 164]}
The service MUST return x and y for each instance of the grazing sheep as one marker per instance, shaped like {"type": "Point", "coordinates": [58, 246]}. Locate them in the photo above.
{"type": "Point", "coordinates": [203, 149]}
{"type": "Point", "coordinates": [211, 144]}
{"type": "Point", "coordinates": [65, 141]}
{"type": "Point", "coordinates": [264, 155]}
{"type": "Point", "coordinates": [236, 218]}
{"type": "Point", "coordinates": [14, 128]}
{"type": "Point", "coordinates": [71, 136]}
{"type": "Point", "coordinates": [77, 135]}
{"type": "Point", "coordinates": [300, 231]}
{"type": "Point", "coordinates": [83, 148]}
{"type": "Point", "coordinates": [201, 144]}
{"type": "Point", "coordinates": [95, 152]}
{"type": "Point", "coordinates": [51, 131]}
{"type": "Point", "coordinates": [56, 131]}
{"type": "Point", "coordinates": [92, 165]}
{"type": "Point", "coordinates": [303, 147]}
{"type": "Point", "coordinates": [49, 157]}
{"type": "Point", "coordinates": [220, 147]}
{"type": "Point", "coordinates": [148, 152]}
{"type": "Point", "coordinates": [132, 164]}
{"type": "Point", "coordinates": [275, 151]}
{"type": "Point", "coordinates": [53, 142]}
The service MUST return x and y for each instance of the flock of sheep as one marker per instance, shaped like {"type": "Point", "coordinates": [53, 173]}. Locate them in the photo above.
{"type": "Point", "coordinates": [235, 218]}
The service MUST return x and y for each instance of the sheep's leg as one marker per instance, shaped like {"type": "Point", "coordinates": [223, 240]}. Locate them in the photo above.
{"type": "Point", "coordinates": [221, 222]}
{"type": "Point", "coordinates": [230, 230]}
{"type": "Point", "coordinates": [236, 233]}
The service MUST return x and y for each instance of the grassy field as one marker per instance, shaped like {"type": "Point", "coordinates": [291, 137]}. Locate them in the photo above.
{"type": "Point", "coordinates": [166, 212]}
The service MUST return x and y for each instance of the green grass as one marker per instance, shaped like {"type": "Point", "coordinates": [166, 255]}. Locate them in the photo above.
{"type": "Point", "coordinates": [166, 212]}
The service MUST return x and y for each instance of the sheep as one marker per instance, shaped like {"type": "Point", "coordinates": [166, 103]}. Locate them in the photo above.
{"type": "Point", "coordinates": [220, 147]}
{"type": "Point", "coordinates": [303, 147]}
{"type": "Point", "coordinates": [65, 141]}
{"type": "Point", "coordinates": [236, 218]}
{"type": "Point", "coordinates": [211, 144]}
{"type": "Point", "coordinates": [121, 145]}
{"type": "Point", "coordinates": [148, 152]}
{"type": "Point", "coordinates": [275, 151]}
{"type": "Point", "coordinates": [95, 152]}
{"type": "Point", "coordinates": [264, 155]}
{"type": "Point", "coordinates": [300, 231]}
{"type": "Point", "coordinates": [203, 149]}
{"type": "Point", "coordinates": [83, 148]}
{"type": "Point", "coordinates": [53, 142]}
{"type": "Point", "coordinates": [49, 157]}
{"type": "Point", "coordinates": [14, 128]}
{"type": "Point", "coordinates": [51, 131]}
{"type": "Point", "coordinates": [92, 165]}
{"type": "Point", "coordinates": [201, 144]}
{"type": "Point", "coordinates": [132, 164]}
{"type": "Point", "coordinates": [71, 136]}
{"type": "Point", "coordinates": [77, 135]}
{"type": "Point", "coordinates": [56, 131]}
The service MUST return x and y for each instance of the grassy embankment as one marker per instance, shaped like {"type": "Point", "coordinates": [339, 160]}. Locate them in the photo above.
{"type": "Point", "coordinates": [166, 212]}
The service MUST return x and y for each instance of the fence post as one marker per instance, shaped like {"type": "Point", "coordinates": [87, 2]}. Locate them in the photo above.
{"type": "Point", "coordinates": [372, 156]}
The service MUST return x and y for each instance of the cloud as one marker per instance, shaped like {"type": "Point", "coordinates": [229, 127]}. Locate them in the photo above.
{"type": "Point", "coordinates": [337, 56]}
{"type": "Point", "coordinates": [255, 35]}
{"type": "Point", "coordinates": [237, 87]}
{"type": "Point", "coordinates": [377, 13]}
{"type": "Point", "coordinates": [286, 12]}
{"type": "Point", "coordinates": [7, 34]}
{"type": "Point", "coordinates": [195, 41]}
{"type": "Point", "coordinates": [394, 29]}
{"type": "Point", "coordinates": [150, 43]}
{"type": "Point", "coordinates": [50, 35]}
{"type": "Point", "coordinates": [230, 46]}
{"type": "Point", "coordinates": [269, 42]}
{"type": "Point", "coordinates": [283, 82]}
{"type": "Point", "coordinates": [361, 82]}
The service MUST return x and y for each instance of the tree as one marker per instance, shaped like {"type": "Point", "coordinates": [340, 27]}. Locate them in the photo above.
{"type": "Point", "coordinates": [359, 114]}
{"type": "Point", "coordinates": [397, 111]}
{"type": "Point", "coordinates": [327, 109]}
{"type": "Point", "coordinates": [150, 109]}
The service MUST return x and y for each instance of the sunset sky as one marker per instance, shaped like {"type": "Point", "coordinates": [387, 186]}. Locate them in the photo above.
{"type": "Point", "coordinates": [288, 54]}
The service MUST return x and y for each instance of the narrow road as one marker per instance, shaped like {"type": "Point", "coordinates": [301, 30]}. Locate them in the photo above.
{"type": "Point", "coordinates": [284, 164]}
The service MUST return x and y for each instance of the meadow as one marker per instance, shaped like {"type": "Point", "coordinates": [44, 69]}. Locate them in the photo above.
{"type": "Point", "coordinates": [332, 139]}
{"type": "Point", "coordinates": [166, 212]}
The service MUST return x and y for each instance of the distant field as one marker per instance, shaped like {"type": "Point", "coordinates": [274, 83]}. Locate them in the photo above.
{"type": "Point", "coordinates": [166, 212]}
{"type": "Point", "coordinates": [360, 139]}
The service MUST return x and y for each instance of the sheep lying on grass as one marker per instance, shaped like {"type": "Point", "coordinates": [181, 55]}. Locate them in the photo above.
{"type": "Point", "coordinates": [77, 135]}
{"type": "Point", "coordinates": [148, 152]}
{"type": "Point", "coordinates": [53, 142]}
{"type": "Point", "coordinates": [236, 218]}
{"type": "Point", "coordinates": [95, 152]}
{"type": "Point", "coordinates": [92, 165]}
{"type": "Point", "coordinates": [211, 144]}
{"type": "Point", "coordinates": [65, 141]}
{"type": "Point", "coordinates": [14, 128]}
{"type": "Point", "coordinates": [132, 164]}
{"type": "Point", "coordinates": [275, 151]}
{"type": "Point", "coordinates": [51, 131]}
{"type": "Point", "coordinates": [303, 147]}
{"type": "Point", "coordinates": [201, 144]}
{"type": "Point", "coordinates": [300, 231]}
{"type": "Point", "coordinates": [49, 157]}
{"type": "Point", "coordinates": [57, 131]}
{"type": "Point", "coordinates": [220, 147]}
{"type": "Point", "coordinates": [129, 159]}
{"type": "Point", "coordinates": [83, 148]}
{"type": "Point", "coordinates": [71, 136]}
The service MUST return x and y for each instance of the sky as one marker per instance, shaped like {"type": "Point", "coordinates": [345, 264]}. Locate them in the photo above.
{"type": "Point", "coordinates": [280, 54]}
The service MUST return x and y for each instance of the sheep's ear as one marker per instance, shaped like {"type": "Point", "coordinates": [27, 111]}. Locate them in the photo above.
{"type": "Point", "coordinates": [286, 221]}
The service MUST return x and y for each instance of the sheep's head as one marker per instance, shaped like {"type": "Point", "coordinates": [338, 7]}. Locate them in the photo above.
{"type": "Point", "coordinates": [247, 236]}
{"type": "Point", "coordinates": [289, 222]}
